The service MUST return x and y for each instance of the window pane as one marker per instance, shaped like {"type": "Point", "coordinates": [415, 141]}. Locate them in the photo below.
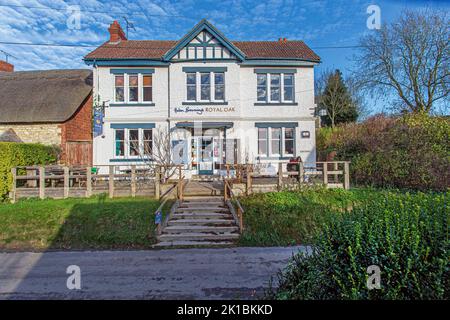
{"type": "Point", "coordinates": [190, 78]}
{"type": "Point", "coordinates": [261, 79]}
{"type": "Point", "coordinates": [276, 147]}
{"type": "Point", "coordinates": [205, 78]}
{"type": "Point", "coordinates": [147, 134]}
{"type": "Point", "coordinates": [205, 92]}
{"type": "Point", "coordinates": [119, 134]}
{"type": "Point", "coordinates": [133, 137]}
{"type": "Point", "coordinates": [275, 93]}
{"type": "Point", "coordinates": [289, 93]}
{"type": "Point", "coordinates": [262, 133]}
{"type": "Point", "coordinates": [262, 147]}
{"type": "Point", "coordinates": [120, 148]}
{"type": "Point", "coordinates": [120, 97]}
{"type": "Point", "coordinates": [134, 94]}
{"type": "Point", "coordinates": [148, 94]}
{"type": "Point", "coordinates": [133, 81]}
{"type": "Point", "coordinates": [262, 93]}
{"type": "Point", "coordinates": [119, 81]}
{"type": "Point", "coordinates": [134, 134]}
{"type": "Point", "coordinates": [191, 93]}
{"type": "Point", "coordinates": [219, 78]}
{"type": "Point", "coordinates": [288, 79]}
{"type": "Point", "coordinates": [219, 93]}
{"type": "Point", "coordinates": [276, 133]}
{"type": "Point", "coordinates": [289, 146]}
{"type": "Point", "coordinates": [275, 79]}
{"type": "Point", "coordinates": [147, 80]}
{"type": "Point", "coordinates": [289, 133]}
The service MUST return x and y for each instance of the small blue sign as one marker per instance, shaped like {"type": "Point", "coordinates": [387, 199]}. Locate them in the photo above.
{"type": "Point", "coordinates": [158, 217]}
{"type": "Point", "coordinates": [98, 122]}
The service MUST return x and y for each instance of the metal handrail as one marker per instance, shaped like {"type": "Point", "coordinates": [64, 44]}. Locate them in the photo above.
{"type": "Point", "coordinates": [240, 210]}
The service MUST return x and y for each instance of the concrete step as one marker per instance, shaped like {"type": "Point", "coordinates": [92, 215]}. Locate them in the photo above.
{"type": "Point", "coordinates": [201, 222]}
{"type": "Point", "coordinates": [198, 236]}
{"type": "Point", "coordinates": [201, 215]}
{"type": "Point", "coordinates": [199, 229]}
{"type": "Point", "coordinates": [184, 243]}
{"type": "Point", "coordinates": [201, 209]}
{"type": "Point", "coordinates": [203, 203]}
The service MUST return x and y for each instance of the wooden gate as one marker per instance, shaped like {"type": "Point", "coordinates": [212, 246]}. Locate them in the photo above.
{"type": "Point", "coordinates": [78, 153]}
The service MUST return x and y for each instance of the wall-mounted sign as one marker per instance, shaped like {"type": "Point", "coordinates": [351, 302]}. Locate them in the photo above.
{"type": "Point", "coordinates": [306, 134]}
{"type": "Point", "coordinates": [203, 110]}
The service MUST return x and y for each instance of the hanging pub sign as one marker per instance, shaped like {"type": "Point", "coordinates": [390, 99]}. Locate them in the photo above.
{"type": "Point", "coordinates": [98, 122]}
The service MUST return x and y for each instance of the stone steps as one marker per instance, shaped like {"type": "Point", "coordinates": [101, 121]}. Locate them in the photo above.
{"type": "Point", "coordinates": [200, 222]}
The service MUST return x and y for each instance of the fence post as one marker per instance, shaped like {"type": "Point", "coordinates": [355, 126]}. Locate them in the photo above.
{"type": "Point", "coordinates": [180, 183]}
{"type": "Point", "coordinates": [157, 182]}
{"type": "Point", "coordinates": [66, 182]}
{"type": "Point", "coordinates": [88, 182]}
{"type": "Point", "coordinates": [300, 173]}
{"type": "Point", "coordinates": [249, 180]}
{"type": "Point", "coordinates": [133, 181]}
{"type": "Point", "coordinates": [280, 176]}
{"type": "Point", "coordinates": [336, 176]}
{"type": "Point", "coordinates": [41, 182]}
{"type": "Point", "coordinates": [325, 174]}
{"type": "Point", "coordinates": [14, 186]}
{"type": "Point", "coordinates": [111, 181]}
{"type": "Point", "coordinates": [346, 175]}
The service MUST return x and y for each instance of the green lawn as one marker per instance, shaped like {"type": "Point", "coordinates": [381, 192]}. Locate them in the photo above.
{"type": "Point", "coordinates": [296, 217]}
{"type": "Point", "coordinates": [78, 223]}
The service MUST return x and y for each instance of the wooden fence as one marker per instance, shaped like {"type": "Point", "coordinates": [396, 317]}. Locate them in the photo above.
{"type": "Point", "coordinates": [63, 182]}
{"type": "Point", "coordinates": [251, 178]}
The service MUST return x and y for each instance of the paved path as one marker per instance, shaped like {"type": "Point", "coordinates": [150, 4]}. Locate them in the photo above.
{"type": "Point", "coordinates": [231, 273]}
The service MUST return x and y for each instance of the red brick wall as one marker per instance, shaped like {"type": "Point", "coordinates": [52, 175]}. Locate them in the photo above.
{"type": "Point", "coordinates": [5, 66]}
{"type": "Point", "coordinates": [77, 128]}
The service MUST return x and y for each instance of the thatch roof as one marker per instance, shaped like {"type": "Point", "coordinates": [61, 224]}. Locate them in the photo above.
{"type": "Point", "coordinates": [42, 96]}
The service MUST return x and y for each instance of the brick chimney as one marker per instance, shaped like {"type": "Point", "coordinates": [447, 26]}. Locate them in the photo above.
{"type": "Point", "coordinates": [6, 67]}
{"type": "Point", "coordinates": [116, 33]}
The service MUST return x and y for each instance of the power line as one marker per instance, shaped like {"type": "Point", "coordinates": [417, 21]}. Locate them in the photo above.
{"type": "Point", "coordinates": [138, 47]}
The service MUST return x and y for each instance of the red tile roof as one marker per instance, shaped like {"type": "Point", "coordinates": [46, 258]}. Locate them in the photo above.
{"type": "Point", "coordinates": [155, 49]}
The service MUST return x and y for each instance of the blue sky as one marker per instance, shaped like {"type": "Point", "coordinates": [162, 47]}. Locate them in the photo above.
{"type": "Point", "coordinates": [320, 23]}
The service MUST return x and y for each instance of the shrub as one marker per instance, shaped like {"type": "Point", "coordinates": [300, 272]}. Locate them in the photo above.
{"type": "Point", "coordinates": [21, 154]}
{"type": "Point", "coordinates": [405, 235]}
{"type": "Point", "coordinates": [410, 152]}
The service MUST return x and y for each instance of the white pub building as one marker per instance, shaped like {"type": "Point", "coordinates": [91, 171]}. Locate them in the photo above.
{"type": "Point", "coordinates": [219, 101]}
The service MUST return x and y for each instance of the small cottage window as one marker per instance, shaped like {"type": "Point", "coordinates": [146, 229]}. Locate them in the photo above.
{"type": "Point", "coordinates": [133, 88]}
{"type": "Point", "coordinates": [119, 88]}
{"type": "Point", "coordinates": [147, 88]}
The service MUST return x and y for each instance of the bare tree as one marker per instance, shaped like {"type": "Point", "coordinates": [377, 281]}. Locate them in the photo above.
{"type": "Point", "coordinates": [157, 152]}
{"type": "Point", "coordinates": [410, 58]}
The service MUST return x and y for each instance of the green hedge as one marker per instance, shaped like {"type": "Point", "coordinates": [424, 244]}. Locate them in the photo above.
{"type": "Point", "coordinates": [405, 235]}
{"type": "Point", "coordinates": [21, 154]}
{"type": "Point", "coordinates": [408, 152]}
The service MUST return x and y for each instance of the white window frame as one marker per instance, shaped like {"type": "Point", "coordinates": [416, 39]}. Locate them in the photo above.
{"type": "Point", "coordinates": [127, 143]}
{"type": "Point", "coordinates": [141, 76]}
{"type": "Point", "coordinates": [192, 85]}
{"type": "Point", "coordinates": [126, 88]}
{"type": "Point", "coordinates": [269, 87]}
{"type": "Point", "coordinates": [212, 87]}
{"type": "Point", "coordinates": [269, 139]}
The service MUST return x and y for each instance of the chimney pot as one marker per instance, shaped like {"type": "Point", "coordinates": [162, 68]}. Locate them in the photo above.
{"type": "Point", "coordinates": [116, 33]}
{"type": "Point", "coordinates": [6, 67]}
